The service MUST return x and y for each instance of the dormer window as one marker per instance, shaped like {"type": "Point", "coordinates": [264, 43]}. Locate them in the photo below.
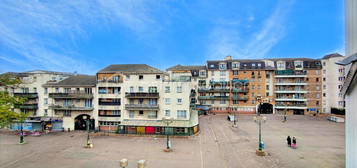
{"type": "Point", "coordinates": [141, 77]}
{"type": "Point", "coordinates": [259, 64]}
{"type": "Point", "coordinates": [235, 65]}
{"type": "Point", "coordinates": [158, 76]}
{"type": "Point", "coordinates": [253, 64]}
{"type": "Point", "coordinates": [222, 66]}
{"type": "Point", "coordinates": [211, 66]}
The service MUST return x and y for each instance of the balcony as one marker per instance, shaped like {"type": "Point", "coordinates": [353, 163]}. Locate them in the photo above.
{"type": "Point", "coordinates": [213, 97]}
{"type": "Point", "coordinates": [219, 82]}
{"type": "Point", "coordinates": [239, 90]}
{"type": "Point", "coordinates": [289, 91]}
{"type": "Point", "coordinates": [77, 95]}
{"type": "Point", "coordinates": [243, 98]}
{"type": "Point", "coordinates": [285, 83]}
{"type": "Point", "coordinates": [290, 99]}
{"type": "Point", "coordinates": [110, 81]}
{"type": "Point", "coordinates": [109, 103]}
{"type": "Point", "coordinates": [290, 74]}
{"type": "Point", "coordinates": [290, 106]}
{"type": "Point", "coordinates": [141, 95]}
{"type": "Point", "coordinates": [70, 107]}
{"type": "Point", "coordinates": [27, 95]}
{"type": "Point", "coordinates": [141, 106]}
{"type": "Point", "coordinates": [26, 106]}
{"type": "Point", "coordinates": [201, 90]}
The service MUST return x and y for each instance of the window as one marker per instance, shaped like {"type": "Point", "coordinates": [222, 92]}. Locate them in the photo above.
{"type": "Point", "coordinates": [267, 93]}
{"type": "Point", "coordinates": [152, 114]}
{"type": "Point", "coordinates": [235, 65]}
{"type": "Point", "coordinates": [324, 94]}
{"type": "Point", "coordinates": [67, 113]}
{"type": "Point", "coordinates": [167, 101]}
{"type": "Point", "coordinates": [181, 113]}
{"type": "Point", "coordinates": [211, 66]}
{"type": "Point", "coordinates": [88, 103]}
{"type": "Point", "coordinates": [223, 73]}
{"type": "Point", "coordinates": [267, 76]}
{"type": "Point", "coordinates": [46, 101]}
{"type": "Point", "coordinates": [317, 79]}
{"type": "Point", "coordinates": [131, 114]}
{"type": "Point", "coordinates": [67, 90]}
{"type": "Point", "coordinates": [318, 95]}
{"type": "Point", "coordinates": [158, 76]}
{"type": "Point", "coordinates": [141, 77]}
{"type": "Point", "coordinates": [317, 103]}
{"type": "Point", "coordinates": [259, 64]}
{"type": "Point", "coordinates": [179, 101]}
{"type": "Point", "coordinates": [259, 87]}
{"type": "Point", "coordinates": [203, 73]}
{"type": "Point", "coordinates": [253, 102]}
{"type": "Point", "coordinates": [267, 87]}
{"type": "Point", "coordinates": [46, 113]}
{"type": "Point", "coordinates": [141, 89]}
{"type": "Point", "coordinates": [179, 89]}
{"type": "Point", "coordinates": [152, 101]}
{"type": "Point", "coordinates": [317, 87]}
{"type": "Point", "coordinates": [116, 113]}
{"type": "Point", "coordinates": [167, 113]}
{"type": "Point", "coordinates": [153, 89]}
{"type": "Point", "coordinates": [131, 89]}
{"type": "Point", "coordinates": [253, 64]}
{"type": "Point", "coordinates": [127, 77]}
{"type": "Point", "coordinates": [141, 112]}
{"type": "Point", "coordinates": [57, 90]}
{"type": "Point", "coordinates": [324, 63]}
{"type": "Point", "coordinates": [167, 89]}
{"type": "Point", "coordinates": [235, 72]}
{"type": "Point", "coordinates": [222, 101]}
{"type": "Point", "coordinates": [222, 66]}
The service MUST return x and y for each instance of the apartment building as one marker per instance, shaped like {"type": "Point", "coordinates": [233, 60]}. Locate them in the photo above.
{"type": "Point", "coordinates": [72, 100]}
{"type": "Point", "coordinates": [135, 98]}
{"type": "Point", "coordinates": [31, 88]}
{"type": "Point", "coordinates": [333, 77]}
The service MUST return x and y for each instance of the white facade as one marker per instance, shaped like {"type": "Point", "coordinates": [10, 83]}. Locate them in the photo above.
{"type": "Point", "coordinates": [332, 81]}
{"type": "Point", "coordinates": [351, 96]}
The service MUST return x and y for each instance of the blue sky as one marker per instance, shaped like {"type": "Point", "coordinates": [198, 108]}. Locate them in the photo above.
{"type": "Point", "coordinates": [85, 36]}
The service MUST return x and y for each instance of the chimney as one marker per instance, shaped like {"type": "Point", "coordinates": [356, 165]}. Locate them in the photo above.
{"type": "Point", "coordinates": [228, 58]}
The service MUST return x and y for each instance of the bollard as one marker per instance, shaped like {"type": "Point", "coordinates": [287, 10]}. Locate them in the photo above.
{"type": "Point", "coordinates": [141, 164]}
{"type": "Point", "coordinates": [123, 163]}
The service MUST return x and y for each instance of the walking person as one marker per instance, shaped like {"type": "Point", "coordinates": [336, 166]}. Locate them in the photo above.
{"type": "Point", "coordinates": [288, 141]}
{"type": "Point", "coordinates": [294, 143]}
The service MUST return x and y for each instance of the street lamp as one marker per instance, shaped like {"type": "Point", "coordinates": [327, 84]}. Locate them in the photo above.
{"type": "Point", "coordinates": [167, 121]}
{"type": "Point", "coordinates": [259, 120]}
{"type": "Point", "coordinates": [89, 144]}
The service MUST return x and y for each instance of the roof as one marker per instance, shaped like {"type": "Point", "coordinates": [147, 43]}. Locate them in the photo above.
{"type": "Point", "coordinates": [27, 73]}
{"type": "Point", "coordinates": [332, 56]}
{"type": "Point", "coordinates": [262, 60]}
{"type": "Point", "coordinates": [348, 60]}
{"type": "Point", "coordinates": [78, 80]}
{"type": "Point", "coordinates": [130, 68]}
{"type": "Point", "coordinates": [188, 67]}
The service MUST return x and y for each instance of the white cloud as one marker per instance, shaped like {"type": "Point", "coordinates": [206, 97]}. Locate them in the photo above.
{"type": "Point", "coordinates": [226, 41]}
{"type": "Point", "coordinates": [44, 33]}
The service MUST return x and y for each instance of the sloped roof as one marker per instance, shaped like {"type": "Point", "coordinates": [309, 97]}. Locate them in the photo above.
{"type": "Point", "coordinates": [332, 56]}
{"type": "Point", "coordinates": [131, 68]}
{"type": "Point", "coordinates": [78, 80]}
{"type": "Point", "coordinates": [348, 60]}
{"type": "Point", "coordinates": [188, 67]}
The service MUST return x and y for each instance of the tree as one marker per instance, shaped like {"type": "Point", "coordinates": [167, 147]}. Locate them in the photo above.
{"type": "Point", "coordinates": [7, 101]}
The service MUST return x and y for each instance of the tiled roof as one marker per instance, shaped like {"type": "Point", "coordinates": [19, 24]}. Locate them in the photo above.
{"type": "Point", "coordinates": [332, 56]}
{"type": "Point", "coordinates": [130, 68]}
{"type": "Point", "coordinates": [183, 67]}
{"type": "Point", "coordinates": [78, 80]}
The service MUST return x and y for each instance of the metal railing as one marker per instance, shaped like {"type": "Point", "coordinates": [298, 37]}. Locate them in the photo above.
{"type": "Point", "coordinates": [142, 106]}
{"type": "Point", "coordinates": [141, 95]}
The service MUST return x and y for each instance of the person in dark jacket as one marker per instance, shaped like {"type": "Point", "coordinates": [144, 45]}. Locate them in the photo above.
{"type": "Point", "coordinates": [294, 142]}
{"type": "Point", "coordinates": [288, 141]}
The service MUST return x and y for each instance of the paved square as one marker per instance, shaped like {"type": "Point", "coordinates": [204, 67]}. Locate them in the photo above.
{"type": "Point", "coordinates": [219, 145]}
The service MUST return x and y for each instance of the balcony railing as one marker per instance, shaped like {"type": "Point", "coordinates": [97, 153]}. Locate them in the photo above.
{"type": "Point", "coordinates": [240, 90]}
{"type": "Point", "coordinates": [27, 95]}
{"type": "Point", "coordinates": [213, 97]}
{"type": "Point", "coordinates": [109, 81]}
{"type": "Point", "coordinates": [213, 90]}
{"type": "Point", "coordinates": [290, 99]}
{"type": "Point", "coordinates": [70, 107]}
{"type": "Point", "coordinates": [244, 98]}
{"type": "Point", "coordinates": [77, 95]}
{"type": "Point", "coordinates": [109, 103]}
{"type": "Point", "coordinates": [141, 95]}
{"type": "Point", "coordinates": [219, 82]}
{"type": "Point", "coordinates": [26, 106]}
{"type": "Point", "coordinates": [291, 105]}
{"type": "Point", "coordinates": [141, 106]}
{"type": "Point", "coordinates": [289, 72]}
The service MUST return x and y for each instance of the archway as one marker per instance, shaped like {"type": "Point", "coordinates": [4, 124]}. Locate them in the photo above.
{"type": "Point", "coordinates": [266, 108]}
{"type": "Point", "coordinates": [80, 122]}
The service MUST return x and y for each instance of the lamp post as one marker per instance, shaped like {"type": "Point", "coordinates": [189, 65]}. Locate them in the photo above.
{"type": "Point", "coordinates": [167, 121]}
{"type": "Point", "coordinates": [89, 144]}
{"type": "Point", "coordinates": [259, 120]}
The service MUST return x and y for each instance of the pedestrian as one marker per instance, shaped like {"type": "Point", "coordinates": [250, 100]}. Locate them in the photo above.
{"type": "Point", "coordinates": [294, 143]}
{"type": "Point", "coordinates": [289, 141]}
